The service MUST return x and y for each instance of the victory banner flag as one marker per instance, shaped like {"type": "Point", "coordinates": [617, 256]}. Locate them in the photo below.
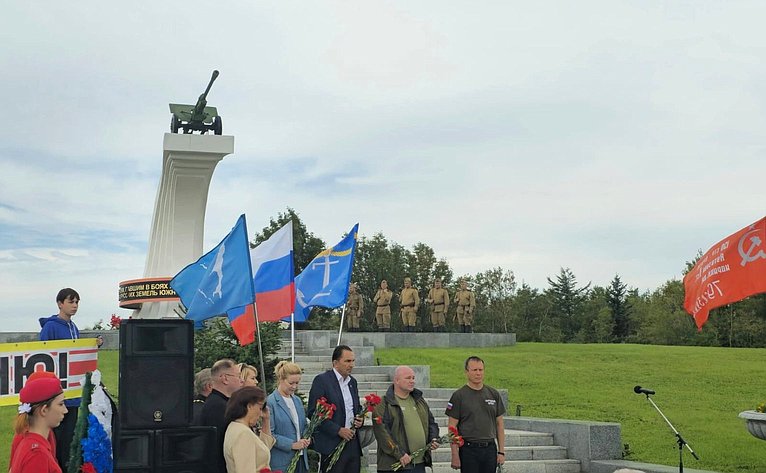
{"type": "Point", "coordinates": [69, 359]}
{"type": "Point", "coordinates": [733, 269]}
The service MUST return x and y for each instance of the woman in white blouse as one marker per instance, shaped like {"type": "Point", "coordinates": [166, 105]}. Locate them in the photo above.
{"type": "Point", "coordinates": [288, 419]}
{"type": "Point", "coordinates": [243, 450]}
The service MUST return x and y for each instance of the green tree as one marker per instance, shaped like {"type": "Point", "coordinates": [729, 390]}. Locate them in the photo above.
{"type": "Point", "coordinates": [306, 245]}
{"type": "Point", "coordinates": [568, 300]}
{"type": "Point", "coordinates": [531, 319]}
{"type": "Point", "coordinates": [619, 307]}
{"type": "Point", "coordinates": [594, 319]}
{"type": "Point", "coordinates": [494, 290]}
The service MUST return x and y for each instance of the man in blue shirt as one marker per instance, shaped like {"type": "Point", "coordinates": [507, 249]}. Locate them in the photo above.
{"type": "Point", "coordinates": [61, 327]}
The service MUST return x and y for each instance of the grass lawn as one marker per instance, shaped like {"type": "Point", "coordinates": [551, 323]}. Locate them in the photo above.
{"type": "Point", "coordinates": [700, 389]}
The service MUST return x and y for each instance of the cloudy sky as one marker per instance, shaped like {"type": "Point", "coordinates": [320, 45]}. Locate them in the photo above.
{"type": "Point", "coordinates": [607, 137]}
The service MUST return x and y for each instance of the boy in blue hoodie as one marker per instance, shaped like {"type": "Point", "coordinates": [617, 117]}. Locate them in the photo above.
{"type": "Point", "coordinates": [61, 327]}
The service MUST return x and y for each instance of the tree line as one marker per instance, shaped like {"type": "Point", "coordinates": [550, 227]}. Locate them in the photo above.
{"type": "Point", "coordinates": [564, 311]}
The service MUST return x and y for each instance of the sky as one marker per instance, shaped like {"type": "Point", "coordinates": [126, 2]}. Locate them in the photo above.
{"type": "Point", "coordinates": [608, 137]}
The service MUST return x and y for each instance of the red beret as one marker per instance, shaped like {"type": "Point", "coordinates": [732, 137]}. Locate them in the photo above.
{"type": "Point", "coordinates": [40, 388]}
{"type": "Point", "coordinates": [41, 374]}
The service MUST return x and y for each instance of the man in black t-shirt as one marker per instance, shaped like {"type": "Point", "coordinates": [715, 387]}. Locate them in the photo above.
{"type": "Point", "coordinates": [477, 412]}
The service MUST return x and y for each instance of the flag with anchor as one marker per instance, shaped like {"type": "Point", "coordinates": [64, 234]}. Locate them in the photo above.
{"type": "Point", "coordinates": [324, 282]}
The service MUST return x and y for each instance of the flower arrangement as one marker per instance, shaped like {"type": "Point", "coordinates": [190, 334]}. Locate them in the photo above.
{"type": "Point", "coordinates": [370, 401]}
{"type": "Point", "coordinates": [324, 410]}
{"type": "Point", "coordinates": [269, 470]}
{"type": "Point", "coordinates": [452, 436]}
{"type": "Point", "coordinates": [114, 322]}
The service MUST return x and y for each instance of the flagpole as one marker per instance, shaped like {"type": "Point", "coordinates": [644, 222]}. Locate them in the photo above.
{"type": "Point", "coordinates": [340, 329]}
{"type": "Point", "coordinates": [292, 337]}
{"type": "Point", "coordinates": [260, 348]}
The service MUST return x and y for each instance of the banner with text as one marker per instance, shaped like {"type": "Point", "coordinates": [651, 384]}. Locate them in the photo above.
{"type": "Point", "coordinates": [734, 268]}
{"type": "Point", "coordinates": [69, 359]}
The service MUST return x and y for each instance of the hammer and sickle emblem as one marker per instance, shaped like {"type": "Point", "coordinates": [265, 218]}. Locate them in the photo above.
{"type": "Point", "coordinates": [750, 255]}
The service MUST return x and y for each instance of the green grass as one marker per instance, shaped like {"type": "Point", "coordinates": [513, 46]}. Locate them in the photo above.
{"type": "Point", "coordinates": [108, 363]}
{"type": "Point", "coordinates": [700, 389]}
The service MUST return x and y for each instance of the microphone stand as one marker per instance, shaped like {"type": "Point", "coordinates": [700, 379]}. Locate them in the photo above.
{"type": "Point", "coordinates": [680, 440]}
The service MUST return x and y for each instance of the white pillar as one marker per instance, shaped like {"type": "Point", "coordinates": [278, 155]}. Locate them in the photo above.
{"type": "Point", "coordinates": [177, 233]}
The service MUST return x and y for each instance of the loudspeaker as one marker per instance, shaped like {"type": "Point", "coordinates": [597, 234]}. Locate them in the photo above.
{"type": "Point", "coordinates": [156, 373]}
{"type": "Point", "coordinates": [134, 451]}
{"type": "Point", "coordinates": [185, 450]}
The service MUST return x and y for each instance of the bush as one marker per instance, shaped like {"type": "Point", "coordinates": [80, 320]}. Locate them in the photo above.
{"type": "Point", "coordinates": [217, 340]}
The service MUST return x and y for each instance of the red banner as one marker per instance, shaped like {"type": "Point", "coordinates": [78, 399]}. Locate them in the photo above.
{"type": "Point", "coordinates": [733, 269]}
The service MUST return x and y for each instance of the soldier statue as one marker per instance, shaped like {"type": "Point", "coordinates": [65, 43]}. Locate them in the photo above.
{"type": "Point", "coordinates": [466, 304]}
{"type": "Point", "coordinates": [382, 302]}
{"type": "Point", "coordinates": [438, 300]}
{"type": "Point", "coordinates": [409, 303]}
{"type": "Point", "coordinates": [354, 308]}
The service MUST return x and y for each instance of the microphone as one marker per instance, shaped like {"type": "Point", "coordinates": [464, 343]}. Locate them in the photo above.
{"type": "Point", "coordinates": [640, 390]}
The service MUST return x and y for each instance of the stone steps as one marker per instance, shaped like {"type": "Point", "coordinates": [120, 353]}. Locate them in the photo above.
{"type": "Point", "coordinates": [365, 387]}
{"type": "Point", "coordinates": [525, 452]}
{"type": "Point", "coordinates": [546, 452]}
{"type": "Point", "coordinates": [517, 466]}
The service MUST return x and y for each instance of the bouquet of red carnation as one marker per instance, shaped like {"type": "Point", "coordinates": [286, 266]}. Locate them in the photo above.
{"type": "Point", "coordinates": [452, 436]}
{"type": "Point", "coordinates": [269, 470]}
{"type": "Point", "coordinates": [370, 401]}
{"type": "Point", "coordinates": [114, 322]}
{"type": "Point", "coordinates": [324, 410]}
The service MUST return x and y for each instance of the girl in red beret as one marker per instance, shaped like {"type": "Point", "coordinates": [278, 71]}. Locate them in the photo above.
{"type": "Point", "coordinates": [42, 408]}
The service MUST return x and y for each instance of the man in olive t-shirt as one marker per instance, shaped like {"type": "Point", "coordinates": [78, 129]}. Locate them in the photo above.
{"type": "Point", "coordinates": [477, 412]}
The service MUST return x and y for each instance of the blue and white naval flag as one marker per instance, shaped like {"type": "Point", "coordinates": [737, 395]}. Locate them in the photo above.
{"type": "Point", "coordinates": [220, 280]}
{"type": "Point", "coordinates": [324, 282]}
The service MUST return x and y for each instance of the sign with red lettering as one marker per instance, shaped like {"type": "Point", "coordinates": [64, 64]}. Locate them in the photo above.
{"type": "Point", "coordinates": [69, 359]}
{"type": "Point", "coordinates": [733, 269]}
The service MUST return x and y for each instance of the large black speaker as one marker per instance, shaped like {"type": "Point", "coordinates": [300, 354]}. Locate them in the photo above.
{"type": "Point", "coordinates": [186, 450]}
{"type": "Point", "coordinates": [156, 370]}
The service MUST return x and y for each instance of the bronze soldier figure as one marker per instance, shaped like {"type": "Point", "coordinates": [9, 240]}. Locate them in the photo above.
{"type": "Point", "coordinates": [382, 301]}
{"type": "Point", "coordinates": [410, 301]}
{"type": "Point", "coordinates": [354, 308]}
{"type": "Point", "coordinates": [438, 299]}
{"type": "Point", "coordinates": [466, 303]}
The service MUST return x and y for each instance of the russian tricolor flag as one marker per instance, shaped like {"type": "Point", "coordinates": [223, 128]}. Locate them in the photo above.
{"type": "Point", "coordinates": [273, 280]}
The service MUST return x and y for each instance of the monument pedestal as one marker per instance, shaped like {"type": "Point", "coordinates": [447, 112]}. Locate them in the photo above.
{"type": "Point", "coordinates": [177, 231]}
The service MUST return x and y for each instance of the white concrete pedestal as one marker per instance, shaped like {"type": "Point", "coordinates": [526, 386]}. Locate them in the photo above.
{"type": "Point", "coordinates": [176, 237]}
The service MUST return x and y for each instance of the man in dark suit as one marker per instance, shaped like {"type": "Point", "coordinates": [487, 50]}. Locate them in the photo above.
{"type": "Point", "coordinates": [226, 381]}
{"type": "Point", "coordinates": [339, 388]}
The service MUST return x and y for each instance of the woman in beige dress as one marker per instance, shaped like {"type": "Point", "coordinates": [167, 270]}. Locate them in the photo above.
{"type": "Point", "coordinates": [243, 450]}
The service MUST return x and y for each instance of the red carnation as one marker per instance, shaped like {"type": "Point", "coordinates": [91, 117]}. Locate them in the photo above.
{"type": "Point", "coordinates": [88, 468]}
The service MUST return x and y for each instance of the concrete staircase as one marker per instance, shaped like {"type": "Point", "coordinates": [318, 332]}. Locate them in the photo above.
{"type": "Point", "coordinates": [526, 451]}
